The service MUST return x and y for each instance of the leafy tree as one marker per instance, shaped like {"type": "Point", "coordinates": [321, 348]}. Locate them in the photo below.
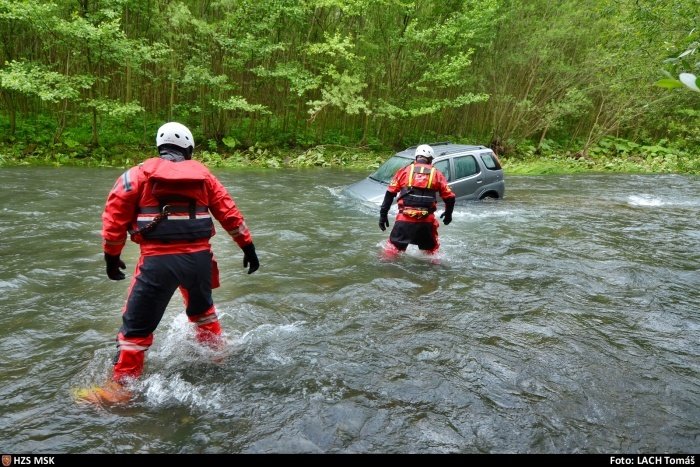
{"type": "Point", "coordinates": [353, 72]}
{"type": "Point", "coordinates": [683, 61]}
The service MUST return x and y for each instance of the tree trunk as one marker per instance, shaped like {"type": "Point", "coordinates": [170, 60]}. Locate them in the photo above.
{"type": "Point", "coordinates": [172, 99]}
{"type": "Point", "coordinates": [61, 125]}
{"type": "Point", "coordinates": [95, 141]}
{"type": "Point", "coordinates": [542, 136]}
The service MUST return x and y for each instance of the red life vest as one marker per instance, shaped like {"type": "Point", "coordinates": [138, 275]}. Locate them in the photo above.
{"type": "Point", "coordinates": [174, 202]}
{"type": "Point", "coordinates": [418, 198]}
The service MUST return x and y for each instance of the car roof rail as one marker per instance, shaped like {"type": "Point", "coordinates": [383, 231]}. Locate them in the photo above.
{"type": "Point", "coordinates": [461, 148]}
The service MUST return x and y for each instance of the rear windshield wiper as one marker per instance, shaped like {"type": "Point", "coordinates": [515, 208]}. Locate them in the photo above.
{"type": "Point", "coordinates": [378, 180]}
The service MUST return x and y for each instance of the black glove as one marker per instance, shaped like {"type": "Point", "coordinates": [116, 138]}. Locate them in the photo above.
{"type": "Point", "coordinates": [449, 207]}
{"type": "Point", "coordinates": [383, 221]}
{"type": "Point", "coordinates": [446, 218]}
{"type": "Point", "coordinates": [114, 264]}
{"type": "Point", "coordinates": [249, 257]}
{"type": "Point", "coordinates": [384, 210]}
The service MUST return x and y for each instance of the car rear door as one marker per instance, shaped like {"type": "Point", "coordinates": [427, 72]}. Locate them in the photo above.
{"type": "Point", "coordinates": [467, 177]}
{"type": "Point", "coordinates": [493, 172]}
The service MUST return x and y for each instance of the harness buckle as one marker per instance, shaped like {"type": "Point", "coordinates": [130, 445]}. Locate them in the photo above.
{"type": "Point", "coordinates": [415, 213]}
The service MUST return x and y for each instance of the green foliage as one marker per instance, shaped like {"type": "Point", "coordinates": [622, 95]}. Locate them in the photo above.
{"type": "Point", "coordinates": [609, 155]}
{"type": "Point", "coordinates": [685, 129]}
{"type": "Point", "coordinates": [669, 83]}
{"type": "Point", "coordinates": [280, 82]}
{"type": "Point", "coordinates": [114, 109]}
{"type": "Point", "coordinates": [25, 11]}
{"type": "Point", "coordinates": [239, 103]}
{"type": "Point", "coordinates": [339, 76]}
{"type": "Point", "coordinates": [683, 63]}
{"type": "Point", "coordinates": [230, 142]}
{"type": "Point", "coordinates": [35, 80]}
{"type": "Point", "coordinates": [36, 130]}
{"type": "Point", "coordinates": [342, 91]}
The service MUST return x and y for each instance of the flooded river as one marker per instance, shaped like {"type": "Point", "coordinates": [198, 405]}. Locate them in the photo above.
{"type": "Point", "coordinates": [564, 318]}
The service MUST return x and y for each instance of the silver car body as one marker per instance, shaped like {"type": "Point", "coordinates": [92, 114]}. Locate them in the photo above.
{"type": "Point", "coordinates": [473, 173]}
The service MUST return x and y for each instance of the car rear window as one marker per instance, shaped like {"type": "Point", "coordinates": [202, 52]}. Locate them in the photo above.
{"type": "Point", "coordinates": [387, 170]}
{"type": "Point", "coordinates": [490, 161]}
{"type": "Point", "coordinates": [465, 166]}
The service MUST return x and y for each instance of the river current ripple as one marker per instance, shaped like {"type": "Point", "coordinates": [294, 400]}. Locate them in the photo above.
{"type": "Point", "coordinates": [561, 319]}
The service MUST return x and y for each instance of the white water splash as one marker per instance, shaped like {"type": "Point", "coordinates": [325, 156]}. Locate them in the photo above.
{"type": "Point", "coordinates": [267, 332]}
{"type": "Point", "coordinates": [176, 352]}
{"type": "Point", "coordinates": [175, 344]}
{"type": "Point", "coordinates": [462, 213]}
{"type": "Point", "coordinates": [335, 191]}
{"type": "Point", "coordinates": [413, 252]}
{"type": "Point", "coordinates": [644, 200]}
{"type": "Point", "coordinates": [15, 283]}
{"type": "Point", "coordinates": [159, 390]}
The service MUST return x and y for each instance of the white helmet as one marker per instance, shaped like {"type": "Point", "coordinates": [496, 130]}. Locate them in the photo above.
{"type": "Point", "coordinates": [174, 133]}
{"type": "Point", "coordinates": [425, 151]}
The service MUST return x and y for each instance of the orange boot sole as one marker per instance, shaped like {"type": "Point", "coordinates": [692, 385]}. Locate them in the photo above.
{"type": "Point", "coordinates": [110, 393]}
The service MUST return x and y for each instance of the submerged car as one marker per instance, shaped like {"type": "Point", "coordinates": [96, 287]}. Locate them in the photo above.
{"type": "Point", "coordinates": [473, 173]}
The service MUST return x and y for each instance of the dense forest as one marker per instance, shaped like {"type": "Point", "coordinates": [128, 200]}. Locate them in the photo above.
{"type": "Point", "coordinates": [527, 77]}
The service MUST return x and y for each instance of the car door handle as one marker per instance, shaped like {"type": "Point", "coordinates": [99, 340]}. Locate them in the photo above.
{"type": "Point", "coordinates": [478, 180]}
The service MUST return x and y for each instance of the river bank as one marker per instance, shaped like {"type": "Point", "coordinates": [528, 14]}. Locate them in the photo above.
{"type": "Point", "coordinates": [356, 158]}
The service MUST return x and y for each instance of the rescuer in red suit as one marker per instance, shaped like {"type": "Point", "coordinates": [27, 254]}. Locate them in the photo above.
{"type": "Point", "coordinates": [417, 185]}
{"type": "Point", "coordinates": [167, 205]}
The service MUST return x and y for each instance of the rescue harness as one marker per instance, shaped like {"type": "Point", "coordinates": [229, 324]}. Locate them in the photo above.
{"type": "Point", "coordinates": [161, 216]}
{"type": "Point", "coordinates": [419, 196]}
{"type": "Point", "coordinates": [170, 211]}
